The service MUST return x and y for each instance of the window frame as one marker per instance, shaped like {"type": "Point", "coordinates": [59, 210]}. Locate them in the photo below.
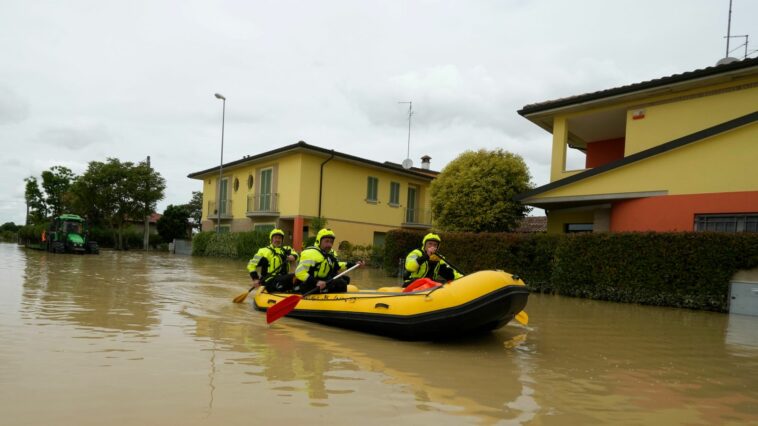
{"type": "Point", "coordinates": [394, 190]}
{"type": "Point", "coordinates": [374, 187]}
{"type": "Point", "coordinates": [738, 222]}
{"type": "Point", "coordinates": [588, 228]}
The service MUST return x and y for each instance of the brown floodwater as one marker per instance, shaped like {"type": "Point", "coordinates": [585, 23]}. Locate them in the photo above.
{"type": "Point", "coordinates": [129, 338]}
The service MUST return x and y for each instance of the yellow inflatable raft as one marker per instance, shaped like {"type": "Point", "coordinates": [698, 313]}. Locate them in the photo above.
{"type": "Point", "coordinates": [480, 302]}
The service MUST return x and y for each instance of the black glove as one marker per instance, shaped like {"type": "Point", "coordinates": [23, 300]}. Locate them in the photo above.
{"type": "Point", "coordinates": [254, 275]}
{"type": "Point", "coordinates": [421, 259]}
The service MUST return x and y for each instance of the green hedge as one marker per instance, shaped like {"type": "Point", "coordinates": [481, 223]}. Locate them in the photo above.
{"type": "Point", "coordinates": [687, 270]}
{"type": "Point", "coordinates": [235, 245]}
{"type": "Point", "coordinates": [530, 256]}
{"type": "Point", "coordinates": [690, 270]}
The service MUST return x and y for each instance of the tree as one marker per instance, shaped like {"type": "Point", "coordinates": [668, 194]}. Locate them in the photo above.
{"type": "Point", "coordinates": [195, 209]}
{"type": "Point", "coordinates": [56, 183]}
{"type": "Point", "coordinates": [475, 192]}
{"type": "Point", "coordinates": [116, 192]}
{"type": "Point", "coordinates": [35, 202]}
{"type": "Point", "coordinates": [9, 227]}
{"type": "Point", "coordinates": [174, 223]}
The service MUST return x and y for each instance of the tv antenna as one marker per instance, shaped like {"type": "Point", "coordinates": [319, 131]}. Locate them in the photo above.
{"type": "Point", "coordinates": [408, 163]}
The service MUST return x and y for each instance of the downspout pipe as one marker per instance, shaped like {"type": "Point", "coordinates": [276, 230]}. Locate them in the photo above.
{"type": "Point", "coordinates": [321, 182]}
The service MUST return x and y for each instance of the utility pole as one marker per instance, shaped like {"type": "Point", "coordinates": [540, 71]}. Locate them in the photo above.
{"type": "Point", "coordinates": [147, 206]}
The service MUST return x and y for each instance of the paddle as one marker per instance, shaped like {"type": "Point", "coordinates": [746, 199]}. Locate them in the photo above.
{"type": "Point", "coordinates": [242, 296]}
{"type": "Point", "coordinates": [521, 317]}
{"type": "Point", "coordinates": [286, 305]}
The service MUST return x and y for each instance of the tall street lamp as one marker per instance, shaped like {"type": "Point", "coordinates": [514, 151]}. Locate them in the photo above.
{"type": "Point", "coordinates": [221, 165]}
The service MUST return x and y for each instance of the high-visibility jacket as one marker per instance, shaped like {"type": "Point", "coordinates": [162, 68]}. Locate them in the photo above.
{"type": "Point", "coordinates": [316, 264]}
{"type": "Point", "coordinates": [418, 265]}
{"type": "Point", "coordinates": [272, 261]}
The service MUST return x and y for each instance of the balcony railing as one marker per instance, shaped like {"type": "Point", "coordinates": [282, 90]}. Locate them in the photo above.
{"type": "Point", "coordinates": [417, 218]}
{"type": "Point", "coordinates": [225, 213]}
{"type": "Point", "coordinates": [263, 205]}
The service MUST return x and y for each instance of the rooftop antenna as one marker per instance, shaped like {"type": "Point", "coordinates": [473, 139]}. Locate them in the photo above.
{"type": "Point", "coordinates": [728, 29]}
{"type": "Point", "coordinates": [743, 44]}
{"type": "Point", "coordinates": [408, 163]}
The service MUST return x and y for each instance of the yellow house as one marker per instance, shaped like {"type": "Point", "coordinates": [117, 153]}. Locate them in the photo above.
{"type": "Point", "coordinates": [678, 153]}
{"type": "Point", "coordinates": [289, 187]}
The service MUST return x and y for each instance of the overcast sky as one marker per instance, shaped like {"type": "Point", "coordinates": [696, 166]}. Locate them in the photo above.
{"type": "Point", "coordinates": [85, 80]}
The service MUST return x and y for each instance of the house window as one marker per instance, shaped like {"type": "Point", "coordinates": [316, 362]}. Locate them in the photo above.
{"type": "Point", "coordinates": [264, 192]}
{"type": "Point", "coordinates": [373, 189]}
{"type": "Point", "coordinates": [223, 197]}
{"type": "Point", "coordinates": [571, 228]}
{"type": "Point", "coordinates": [411, 212]}
{"type": "Point", "coordinates": [236, 184]}
{"type": "Point", "coordinates": [249, 181]}
{"type": "Point", "coordinates": [394, 194]}
{"type": "Point", "coordinates": [726, 222]}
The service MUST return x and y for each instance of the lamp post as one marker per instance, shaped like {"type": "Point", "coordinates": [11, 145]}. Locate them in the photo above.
{"type": "Point", "coordinates": [221, 165]}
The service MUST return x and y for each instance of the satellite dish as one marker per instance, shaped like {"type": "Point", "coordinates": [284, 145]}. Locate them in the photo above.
{"type": "Point", "coordinates": [407, 163]}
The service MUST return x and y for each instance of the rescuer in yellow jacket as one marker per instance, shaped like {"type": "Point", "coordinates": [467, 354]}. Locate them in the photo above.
{"type": "Point", "coordinates": [319, 264]}
{"type": "Point", "coordinates": [273, 263]}
{"type": "Point", "coordinates": [425, 263]}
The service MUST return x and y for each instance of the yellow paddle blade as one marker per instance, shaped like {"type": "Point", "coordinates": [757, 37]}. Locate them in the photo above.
{"type": "Point", "coordinates": [242, 296]}
{"type": "Point", "coordinates": [522, 318]}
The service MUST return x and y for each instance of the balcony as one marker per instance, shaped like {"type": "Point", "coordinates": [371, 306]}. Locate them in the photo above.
{"type": "Point", "coordinates": [225, 213]}
{"type": "Point", "coordinates": [263, 205]}
{"type": "Point", "coordinates": [417, 218]}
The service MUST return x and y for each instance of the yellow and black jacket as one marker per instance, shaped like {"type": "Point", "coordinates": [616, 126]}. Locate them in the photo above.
{"type": "Point", "coordinates": [315, 264]}
{"type": "Point", "coordinates": [272, 261]}
{"type": "Point", "coordinates": [419, 265]}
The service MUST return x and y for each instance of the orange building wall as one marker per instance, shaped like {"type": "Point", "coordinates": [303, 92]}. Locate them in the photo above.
{"type": "Point", "coordinates": [603, 152]}
{"type": "Point", "coordinates": [677, 212]}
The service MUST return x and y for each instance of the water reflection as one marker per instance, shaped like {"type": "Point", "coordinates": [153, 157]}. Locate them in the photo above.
{"type": "Point", "coordinates": [742, 334]}
{"type": "Point", "coordinates": [155, 338]}
{"type": "Point", "coordinates": [298, 357]}
{"type": "Point", "coordinates": [109, 291]}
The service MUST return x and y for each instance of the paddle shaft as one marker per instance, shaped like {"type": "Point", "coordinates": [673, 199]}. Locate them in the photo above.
{"type": "Point", "coordinates": [450, 264]}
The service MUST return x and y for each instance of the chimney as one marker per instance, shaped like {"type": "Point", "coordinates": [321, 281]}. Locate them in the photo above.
{"type": "Point", "coordinates": [425, 162]}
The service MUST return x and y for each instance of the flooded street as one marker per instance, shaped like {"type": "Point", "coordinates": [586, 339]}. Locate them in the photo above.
{"type": "Point", "coordinates": [128, 338]}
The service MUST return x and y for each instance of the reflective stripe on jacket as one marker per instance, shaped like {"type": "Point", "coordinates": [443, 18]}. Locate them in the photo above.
{"type": "Point", "coordinates": [415, 270]}
{"type": "Point", "coordinates": [272, 261]}
{"type": "Point", "coordinates": [317, 264]}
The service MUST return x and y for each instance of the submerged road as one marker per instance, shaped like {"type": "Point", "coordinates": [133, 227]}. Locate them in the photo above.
{"type": "Point", "coordinates": [129, 338]}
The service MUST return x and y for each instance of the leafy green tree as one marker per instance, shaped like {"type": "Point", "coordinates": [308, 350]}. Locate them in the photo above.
{"type": "Point", "coordinates": [35, 202]}
{"type": "Point", "coordinates": [115, 192]}
{"type": "Point", "coordinates": [56, 183]}
{"type": "Point", "coordinates": [174, 223]}
{"type": "Point", "coordinates": [195, 209]}
{"type": "Point", "coordinates": [475, 192]}
{"type": "Point", "coordinates": [10, 227]}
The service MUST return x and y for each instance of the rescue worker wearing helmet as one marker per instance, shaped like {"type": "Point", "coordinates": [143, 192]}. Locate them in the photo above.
{"type": "Point", "coordinates": [425, 263]}
{"type": "Point", "coordinates": [318, 266]}
{"type": "Point", "coordinates": [270, 265]}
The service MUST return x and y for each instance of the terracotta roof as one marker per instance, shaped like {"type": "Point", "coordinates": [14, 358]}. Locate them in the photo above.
{"type": "Point", "coordinates": [636, 87]}
{"type": "Point", "coordinates": [153, 218]}
{"type": "Point", "coordinates": [531, 224]}
{"type": "Point", "coordinates": [413, 171]}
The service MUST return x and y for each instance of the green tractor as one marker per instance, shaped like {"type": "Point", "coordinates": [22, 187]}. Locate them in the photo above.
{"type": "Point", "coordinates": [68, 234]}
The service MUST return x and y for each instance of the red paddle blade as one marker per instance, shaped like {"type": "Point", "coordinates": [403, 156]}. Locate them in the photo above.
{"type": "Point", "coordinates": [282, 308]}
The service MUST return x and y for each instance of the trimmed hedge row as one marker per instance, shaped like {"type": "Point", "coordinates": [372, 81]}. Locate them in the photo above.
{"type": "Point", "coordinates": [528, 255]}
{"type": "Point", "coordinates": [689, 270]}
{"type": "Point", "coordinates": [235, 245]}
